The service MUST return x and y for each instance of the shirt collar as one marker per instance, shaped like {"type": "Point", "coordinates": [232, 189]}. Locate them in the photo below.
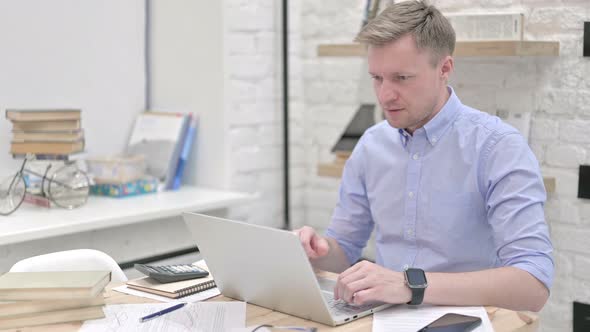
{"type": "Point", "coordinates": [404, 136]}
{"type": "Point", "coordinates": [437, 126]}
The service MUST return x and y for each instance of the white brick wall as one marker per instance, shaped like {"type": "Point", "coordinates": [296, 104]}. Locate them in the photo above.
{"type": "Point", "coordinates": [554, 89]}
{"type": "Point", "coordinates": [252, 43]}
{"type": "Point", "coordinates": [254, 114]}
{"type": "Point", "coordinates": [324, 97]}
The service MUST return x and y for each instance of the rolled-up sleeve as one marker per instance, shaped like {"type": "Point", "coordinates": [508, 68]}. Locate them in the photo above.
{"type": "Point", "coordinates": [351, 223]}
{"type": "Point", "coordinates": [515, 197]}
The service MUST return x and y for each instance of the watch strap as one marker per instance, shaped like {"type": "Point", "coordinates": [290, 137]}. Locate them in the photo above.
{"type": "Point", "coordinates": [417, 296]}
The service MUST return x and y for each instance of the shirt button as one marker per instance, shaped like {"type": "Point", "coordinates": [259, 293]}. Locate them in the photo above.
{"type": "Point", "coordinates": [406, 266]}
{"type": "Point", "coordinates": [411, 194]}
{"type": "Point", "coordinates": [409, 232]}
{"type": "Point", "coordinates": [434, 140]}
{"type": "Point", "coordinates": [415, 156]}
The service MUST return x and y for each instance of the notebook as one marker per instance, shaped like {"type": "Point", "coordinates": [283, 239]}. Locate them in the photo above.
{"type": "Point", "coordinates": [174, 290]}
{"type": "Point", "coordinates": [52, 285]}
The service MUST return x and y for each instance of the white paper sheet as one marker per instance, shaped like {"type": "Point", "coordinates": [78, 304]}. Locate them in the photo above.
{"type": "Point", "coordinates": [409, 319]}
{"type": "Point", "coordinates": [201, 296]}
{"type": "Point", "coordinates": [194, 317]}
{"type": "Point", "coordinates": [266, 329]}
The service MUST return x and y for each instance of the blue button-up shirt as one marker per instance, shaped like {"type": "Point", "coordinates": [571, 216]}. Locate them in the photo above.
{"type": "Point", "coordinates": [463, 193]}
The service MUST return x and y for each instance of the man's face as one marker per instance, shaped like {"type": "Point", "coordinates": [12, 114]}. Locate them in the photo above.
{"type": "Point", "coordinates": [409, 88]}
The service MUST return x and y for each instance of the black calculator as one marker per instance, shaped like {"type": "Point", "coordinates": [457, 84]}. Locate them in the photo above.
{"type": "Point", "coordinates": [171, 273]}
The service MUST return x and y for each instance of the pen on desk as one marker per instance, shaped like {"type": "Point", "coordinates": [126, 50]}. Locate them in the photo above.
{"type": "Point", "coordinates": [161, 312]}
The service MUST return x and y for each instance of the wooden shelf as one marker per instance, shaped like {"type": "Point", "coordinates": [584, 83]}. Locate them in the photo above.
{"type": "Point", "coordinates": [463, 49]}
{"type": "Point", "coordinates": [30, 222]}
{"type": "Point", "coordinates": [335, 169]}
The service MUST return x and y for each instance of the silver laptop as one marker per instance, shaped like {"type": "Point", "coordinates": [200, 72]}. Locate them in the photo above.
{"type": "Point", "coordinates": [268, 267]}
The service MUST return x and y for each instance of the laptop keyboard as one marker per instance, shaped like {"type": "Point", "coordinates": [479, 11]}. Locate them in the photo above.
{"type": "Point", "coordinates": [340, 307]}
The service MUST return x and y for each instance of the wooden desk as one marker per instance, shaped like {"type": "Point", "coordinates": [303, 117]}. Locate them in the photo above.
{"type": "Point", "coordinates": [502, 320]}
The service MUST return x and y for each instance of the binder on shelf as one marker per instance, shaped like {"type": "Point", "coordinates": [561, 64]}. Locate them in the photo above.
{"type": "Point", "coordinates": [159, 137]}
{"type": "Point", "coordinates": [184, 154]}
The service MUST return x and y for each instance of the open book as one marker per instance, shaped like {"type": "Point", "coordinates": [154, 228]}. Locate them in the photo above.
{"type": "Point", "coordinates": [174, 289]}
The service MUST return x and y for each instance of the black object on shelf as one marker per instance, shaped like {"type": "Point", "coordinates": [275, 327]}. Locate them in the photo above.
{"type": "Point", "coordinates": [581, 317]}
{"type": "Point", "coordinates": [362, 120]}
{"type": "Point", "coordinates": [586, 38]}
{"type": "Point", "coordinates": [584, 182]}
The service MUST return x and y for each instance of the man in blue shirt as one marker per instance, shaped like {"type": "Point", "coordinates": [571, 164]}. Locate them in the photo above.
{"type": "Point", "coordinates": [455, 195]}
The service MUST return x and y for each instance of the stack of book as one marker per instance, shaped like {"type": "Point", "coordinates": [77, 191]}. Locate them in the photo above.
{"type": "Point", "coordinates": [39, 298]}
{"type": "Point", "coordinates": [52, 132]}
{"type": "Point", "coordinates": [177, 289]}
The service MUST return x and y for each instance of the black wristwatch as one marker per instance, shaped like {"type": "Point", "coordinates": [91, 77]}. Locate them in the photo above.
{"type": "Point", "coordinates": [416, 281]}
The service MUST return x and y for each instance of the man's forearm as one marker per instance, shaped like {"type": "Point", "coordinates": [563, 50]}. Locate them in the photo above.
{"type": "Point", "coordinates": [506, 287]}
{"type": "Point", "coordinates": [336, 260]}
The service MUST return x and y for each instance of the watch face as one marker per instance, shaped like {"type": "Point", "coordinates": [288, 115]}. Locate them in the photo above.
{"type": "Point", "coordinates": [416, 277]}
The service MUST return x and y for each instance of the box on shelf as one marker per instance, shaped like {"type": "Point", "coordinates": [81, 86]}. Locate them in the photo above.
{"type": "Point", "coordinates": [117, 169]}
{"type": "Point", "coordinates": [487, 26]}
{"type": "Point", "coordinates": [132, 188]}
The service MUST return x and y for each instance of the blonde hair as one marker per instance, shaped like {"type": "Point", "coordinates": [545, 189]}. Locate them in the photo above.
{"type": "Point", "coordinates": [430, 29]}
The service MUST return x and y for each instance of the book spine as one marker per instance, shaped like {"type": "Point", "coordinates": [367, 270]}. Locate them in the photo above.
{"type": "Point", "coordinates": [197, 288]}
{"type": "Point", "coordinates": [188, 143]}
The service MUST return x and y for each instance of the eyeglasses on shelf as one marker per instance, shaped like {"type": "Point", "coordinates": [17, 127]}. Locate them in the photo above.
{"type": "Point", "coordinates": [66, 187]}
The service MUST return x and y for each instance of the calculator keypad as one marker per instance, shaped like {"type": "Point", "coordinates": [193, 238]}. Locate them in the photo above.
{"type": "Point", "coordinates": [170, 273]}
{"type": "Point", "coordinates": [175, 269]}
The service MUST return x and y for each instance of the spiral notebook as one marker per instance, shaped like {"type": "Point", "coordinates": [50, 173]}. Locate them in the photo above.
{"type": "Point", "coordinates": [173, 290]}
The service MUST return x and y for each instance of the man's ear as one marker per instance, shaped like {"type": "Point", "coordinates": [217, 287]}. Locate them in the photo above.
{"type": "Point", "coordinates": [447, 67]}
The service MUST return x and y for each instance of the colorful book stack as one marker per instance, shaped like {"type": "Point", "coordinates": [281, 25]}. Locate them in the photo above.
{"type": "Point", "coordinates": [120, 176]}
{"type": "Point", "coordinates": [51, 132]}
{"type": "Point", "coordinates": [131, 188]}
{"type": "Point", "coordinates": [39, 298]}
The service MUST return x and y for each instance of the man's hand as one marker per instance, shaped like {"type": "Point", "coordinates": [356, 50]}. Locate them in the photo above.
{"type": "Point", "coordinates": [367, 282]}
{"type": "Point", "coordinates": [315, 245]}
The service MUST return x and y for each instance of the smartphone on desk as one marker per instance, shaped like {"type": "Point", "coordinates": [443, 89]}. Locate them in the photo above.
{"type": "Point", "coordinates": [452, 323]}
